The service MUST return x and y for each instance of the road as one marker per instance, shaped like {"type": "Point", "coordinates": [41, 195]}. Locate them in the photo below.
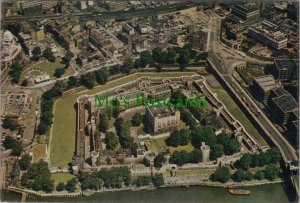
{"type": "Point", "coordinates": [224, 68]}
{"type": "Point", "coordinates": [105, 15]}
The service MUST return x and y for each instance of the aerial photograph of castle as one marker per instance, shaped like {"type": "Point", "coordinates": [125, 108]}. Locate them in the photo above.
{"type": "Point", "coordinates": [149, 101]}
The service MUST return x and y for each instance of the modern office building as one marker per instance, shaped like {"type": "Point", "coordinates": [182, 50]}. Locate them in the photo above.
{"type": "Point", "coordinates": [262, 87]}
{"type": "Point", "coordinates": [285, 69]}
{"type": "Point", "coordinates": [247, 12]}
{"type": "Point", "coordinates": [282, 105]}
{"type": "Point", "coordinates": [268, 34]}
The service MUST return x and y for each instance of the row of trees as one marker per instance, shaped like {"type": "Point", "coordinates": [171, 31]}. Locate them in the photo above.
{"type": "Point", "coordinates": [223, 175]}
{"type": "Point", "coordinates": [171, 56]}
{"type": "Point", "coordinates": [157, 180]}
{"type": "Point", "coordinates": [271, 156]}
{"type": "Point", "coordinates": [114, 177]}
{"type": "Point", "coordinates": [15, 72]}
{"type": "Point", "coordinates": [70, 186]}
{"type": "Point", "coordinates": [183, 157]}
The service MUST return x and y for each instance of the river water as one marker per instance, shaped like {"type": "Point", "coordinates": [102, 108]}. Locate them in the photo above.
{"type": "Point", "coordinates": [259, 194]}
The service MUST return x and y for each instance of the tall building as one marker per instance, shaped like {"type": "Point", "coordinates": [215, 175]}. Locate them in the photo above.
{"type": "Point", "coordinates": [268, 36]}
{"type": "Point", "coordinates": [38, 34]}
{"type": "Point", "coordinates": [30, 7]}
{"type": "Point", "coordinates": [285, 69]}
{"type": "Point", "coordinates": [162, 119]}
{"type": "Point", "coordinates": [247, 12]}
{"type": "Point", "coordinates": [281, 104]}
{"type": "Point", "coordinates": [262, 87]}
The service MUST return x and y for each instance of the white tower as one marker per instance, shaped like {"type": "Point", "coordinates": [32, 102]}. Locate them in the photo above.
{"type": "Point", "coordinates": [205, 150]}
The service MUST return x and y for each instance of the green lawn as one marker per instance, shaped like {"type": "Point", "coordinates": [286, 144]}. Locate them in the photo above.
{"type": "Point", "coordinates": [232, 107]}
{"type": "Point", "coordinates": [61, 177]}
{"type": "Point", "coordinates": [64, 123]}
{"type": "Point", "coordinates": [157, 145]}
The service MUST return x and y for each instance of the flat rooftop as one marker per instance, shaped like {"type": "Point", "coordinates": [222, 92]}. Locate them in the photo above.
{"type": "Point", "coordinates": [286, 103]}
{"type": "Point", "coordinates": [266, 82]}
{"type": "Point", "coordinates": [285, 64]}
{"type": "Point", "coordinates": [161, 112]}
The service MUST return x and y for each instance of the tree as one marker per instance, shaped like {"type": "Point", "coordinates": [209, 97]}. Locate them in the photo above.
{"type": "Point", "coordinates": [179, 137]}
{"type": "Point", "coordinates": [272, 156]}
{"type": "Point", "coordinates": [142, 181]}
{"type": "Point", "coordinates": [259, 175]}
{"type": "Point", "coordinates": [9, 142]}
{"type": "Point", "coordinates": [42, 128]}
{"type": "Point", "coordinates": [127, 66]}
{"type": "Point", "coordinates": [221, 175]}
{"type": "Point", "coordinates": [47, 117]}
{"type": "Point", "coordinates": [156, 54]}
{"type": "Point", "coordinates": [24, 162]}
{"type": "Point", "coordinates": [137, 63]}
{"type": "Point", "coordinates": [15, 72]}
{"type": "Point", "coordinates": [145, 59]}
{"type": "Point", "coordinates": [59, 72]}
{"type": "Point", "coordinates": [184, 57]}
{"type": "Point", "coordinates": [216, 152]}
{"type": "Point", "coordinates": [203, 134]}
{"type": "Point", "coordinates": [72, 81]}
{"type": "Point", "coordinates": [245, 161]}
{"type": "Point", "coordinates": [60, 186]}
{"type": "Point", "coordinates": [158, 160]}
{"type": "Point", "coordinates": [116, 112]}
{"type": "Point", "coordinates": [71, 185]}
{"type": "Point", "coordinates": [24, 179]}
{"type": "Point", "coordinates": [248, 176]}
{"type": "Point", "coordinates": [231, 147]}
{"type": "Point", "coordinates": [195, 156]}
{"type": "Point", "coordinates": [158, 180]}
{"type": "Point", "coordinates": [101, 76]}
{"type": "Point", "coordinates": [136, 119]}
{"type": "Point", "coordinates": [67, 58]}
{"type": "Point", "coordinates": [104, 123]}
{"type": "Point", "coordinates": [47, 53]}
{"type": "Point", "coordinates": [171, 56]}
{"type": "Point", "coordinates": [188, 118]}
{"type": "Point", "coordinates": [88, 80]}
{"type": "Point", "coordinates": [111, 140]}
{"type": "Point", "coordinates": [16, 149]}
{"type": "Point", "coordinates": [118, 124]}
{"type": "Point", "coordinates": [9, 123]}
{"type": "Point", "coordinates": [24, 83]}
{"type": "Point", "coordinates": [52, 59]}
{"type": "Point", "coordinates": [239, 175]}
{"type": "Point", "coordinates": [36, 52]}
{"type": "Point", "coordinates": [271, 172]}
{"type": "Point", "coordinates": [114, 70]}
{"type": "Point", "coordinates": [180, 158]}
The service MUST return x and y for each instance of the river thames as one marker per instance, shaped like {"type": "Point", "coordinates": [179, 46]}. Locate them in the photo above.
{"type": "Point", "coordinates": [268, 193]}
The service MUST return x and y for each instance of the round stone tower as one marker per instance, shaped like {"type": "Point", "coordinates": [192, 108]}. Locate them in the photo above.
{"type": "Point", "coordinates": [205, 150]}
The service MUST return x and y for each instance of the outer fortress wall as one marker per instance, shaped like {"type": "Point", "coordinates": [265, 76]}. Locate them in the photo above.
{"type": "Point", "coordinates": [144, 84]}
